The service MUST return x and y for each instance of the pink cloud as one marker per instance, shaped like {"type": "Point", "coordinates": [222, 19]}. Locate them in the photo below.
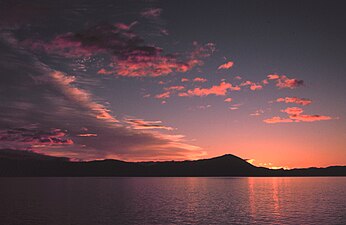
{"type": "Point", "coordinates": [265, 82]}
{"type": "Point", "coordinates": [140, 124]}
{"type": "Point", "coordinates": [175, 88]}
{"type": "Point", "coordinates": [257, 112]}
{"type": "Point", "coordinates": [126, 27]}
{"type": "Point", "coordinates": [226, 65]}
{"type": "Point", "coordinates": [285, 82]}
{"type": "Point", "coordinates": [163, 95]}
{"type": "Point", "coordinates": [184, 79]}
{"type": "Point", "coordinates": [237, 78]}
{"type": "Point", "coordinates": [218, 90]}
{"type": "Point", "coordinates": [128, 53]}
{"type": "Point", "coordinates": [104, 72]}
{"type": "Point", "coordinates": [87, 135]}
{"type": "Point", "coordinates": [300, 101]}
{"type": "Point", "coordinates": [27, 138]}
{"type": "Point", "coordinates": [309, 118]}
{"type": "Point", "coordinates": [203, 106]}
{"type": "Point", "coordinates": [200, 79]}
{"type": "Point", "coordinates": [253, 86]}
{"type": "Point", "coordinates": [228, 100]}
{"type": "Point", "coordinates": [168, 92]}
{"type": "Point", "coordinates": [277, 119]}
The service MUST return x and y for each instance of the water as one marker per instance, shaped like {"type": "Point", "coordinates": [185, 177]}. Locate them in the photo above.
{"type": "Point", "coordinates": [91, 201]}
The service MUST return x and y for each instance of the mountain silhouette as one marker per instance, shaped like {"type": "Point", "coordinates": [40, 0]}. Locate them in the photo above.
{"type": "Point", "coordinates": [26, 163]}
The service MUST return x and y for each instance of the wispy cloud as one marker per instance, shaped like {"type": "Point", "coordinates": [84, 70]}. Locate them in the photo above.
{"type": "Point", "coordinates": [81, 96]}
{"type": "Point", "coordinates": [296, 100]}
{"type": "Point", "coordinates": [163, 95]}
{"type": "Point", "coordinates": [151, 12]}
{"type": "Point", "coordinates": [277, 119]}
{"type": "Point", "coordinates": [175, 88]}
{"type": "Point", "coordinates": [257, 112]}
{"type": "Point", "coordinates": [200, 79]}
{"type": "Point", "coordinates": [140, 124]}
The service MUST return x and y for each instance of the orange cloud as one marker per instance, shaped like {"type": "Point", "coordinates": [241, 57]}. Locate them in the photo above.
{"type": "Point", "coordinates": [273, 76]}
{"type": "Point", "coordinates": [200, 79]}
{"type": "Point", "coordinates": [285, 82]}
{"type": "Point", "coordinates": [277, 119]}
{"type": "Point", "coordinates": [226, 65]}
{"type": "Point", "coordinates": [253, 85]}
{"type": "Point", "coordinates": [295, 115]}
{"type": "Point", "coordinates": [218, 90]}
{"type": "Point", "coordinates": [300, 101]}
{"type": "Point", "coordinates": [309, 118]}
{"type": "Point", "coordinates": [293, 110]}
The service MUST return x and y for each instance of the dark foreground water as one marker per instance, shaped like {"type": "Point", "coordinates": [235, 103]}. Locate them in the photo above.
{"type": "Point", "coordinates": [91, 201]}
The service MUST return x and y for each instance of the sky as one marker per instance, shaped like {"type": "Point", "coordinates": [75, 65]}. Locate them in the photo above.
{"type": "Point", "coordinates": [175, 80]}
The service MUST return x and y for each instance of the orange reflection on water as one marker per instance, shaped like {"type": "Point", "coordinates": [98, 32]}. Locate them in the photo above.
{"type": "Point", "coordinates": [263, 199]}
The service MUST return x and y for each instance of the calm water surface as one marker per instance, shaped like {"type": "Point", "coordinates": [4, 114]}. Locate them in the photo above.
{"type": "Point", "coordinates": [91, 201]}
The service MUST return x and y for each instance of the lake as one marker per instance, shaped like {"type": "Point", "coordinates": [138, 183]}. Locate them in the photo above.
{"type": "Point", "coordinates": [218, 200]}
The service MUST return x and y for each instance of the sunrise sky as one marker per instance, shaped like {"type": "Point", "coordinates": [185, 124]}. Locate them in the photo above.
{"type": "Point", "coordinates": [175, 80]}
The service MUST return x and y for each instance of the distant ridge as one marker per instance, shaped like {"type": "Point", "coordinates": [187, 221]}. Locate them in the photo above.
{"type": "Point", "coordinates": [16, 163]}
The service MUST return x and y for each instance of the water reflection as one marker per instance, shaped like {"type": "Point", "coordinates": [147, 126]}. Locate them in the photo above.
{"type": "Point", "coordinates": [89, 201]}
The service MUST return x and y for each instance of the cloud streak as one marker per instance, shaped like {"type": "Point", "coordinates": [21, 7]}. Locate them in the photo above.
{"type": "Point", "coordinates": [296, 100]}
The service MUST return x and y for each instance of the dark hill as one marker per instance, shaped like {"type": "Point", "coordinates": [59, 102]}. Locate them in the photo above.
{"type": "Point", "coordinates": [26, 163]}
